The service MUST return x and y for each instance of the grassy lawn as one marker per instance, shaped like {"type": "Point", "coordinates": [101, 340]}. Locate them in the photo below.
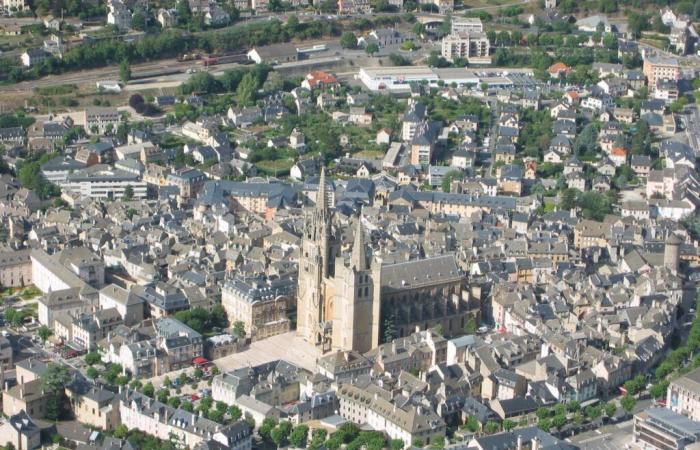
{"type": "Point", "coordinates": [277, 167]}
{"type": "Point", "coordinates": [30, 292]}
{"type": "Point", "coordinates": [6, 291]}
{"type": "Point", "coordinates": [481, 3]}
{"type": "Point", "coordinates": [658, 42]}
{"type": "Point", "coordinates": [370, 154]}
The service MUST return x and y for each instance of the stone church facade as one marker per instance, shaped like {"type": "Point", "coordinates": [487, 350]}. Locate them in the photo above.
{"type": "Point", "coordinates": [352, 301]}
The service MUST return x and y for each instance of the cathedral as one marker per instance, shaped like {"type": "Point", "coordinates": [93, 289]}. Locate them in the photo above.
{"type": "Point", "coordinates": [351, 301]}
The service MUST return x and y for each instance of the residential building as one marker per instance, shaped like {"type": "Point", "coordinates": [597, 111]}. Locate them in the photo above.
{"type": "Point", "coordinates": [21, 432]}
{"type": "Point", "coordinates": [15, 268]}
{"type": "Point", "coordinates": [474, 47]}
{"type": "Point", "coordinates": [260, 303]}
{"type": "Point", "coordinates": [658, 68]}
{"type": "Point", "coordinates": [100, 120]}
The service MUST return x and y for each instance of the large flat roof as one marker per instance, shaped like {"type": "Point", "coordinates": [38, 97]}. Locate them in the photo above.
{"type": "Point", "coordinates": [399, 70]}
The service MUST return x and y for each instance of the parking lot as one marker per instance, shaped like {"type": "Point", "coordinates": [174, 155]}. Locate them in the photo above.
{"type": "Point", "coordinates": [284, 346]}
{"type": "Point", "coordinates": [612, 437]}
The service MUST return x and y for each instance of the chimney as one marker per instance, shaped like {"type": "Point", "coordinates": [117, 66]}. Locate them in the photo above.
{"type": "Point", "coordinates": [21, 391]}
{"type": "Point", "coordinates": [520, 443]}
{"type": "Point", "coordinates": [535, 443]}
{"type": "Point", "coordinates": [7, 386]}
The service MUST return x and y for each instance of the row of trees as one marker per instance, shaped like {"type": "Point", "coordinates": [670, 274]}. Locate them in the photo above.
{"type": "Point", "coordinates": [283, 434]}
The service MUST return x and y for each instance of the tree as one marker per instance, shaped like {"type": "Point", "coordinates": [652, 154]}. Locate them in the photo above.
{"type": "Point", "coordinates": [573, 406]}
{"type": "Point", "coordinates": [396, 444]}
{"type": "Point", "coordinates": [611, 409]}
{"type": "Point", "coordinates": [280, 434]}
{"type": "Point", "coordinates": [371, 48]}
{"type": "Point", "coordinates": [273, 83]}
{"type": "Point", "coordinates": [138, 20]}
{"type": "Point", "coordinates": [418, 28]}
{"type": "Point", "coordinates": [148, 390]}
{"type": "Point", "coordinates": [235, 412]}
{"type": "Point", "coordinates": [587, 141]}
{"type": "Point", "coordinates": [53, 382]}
{"type": "Point", "coordinates": [167, 382]}
{"type": "Point", "coordinates": [14, 317]}
{"type": "Point", "coordinates": [491, 427]}
{"type": "Point", "coordinates": [449, 176]}
{"type": "Point", "coordinates": [184, 14]}
{"type": "Point", "coordinates": [658, 390]}
{"type": "Point", "coordinates": [245, 93]}
{"type": "Point", "coordinates": [399, 60]}
{"type": "Point", "coordinates": [628, 403]}
{"type": "Point", "coordinates": [187, 406]}
{"type": "Point", "coordinates": [202, 82]}
{"type": "Point", "coordinates": [44, 333]}
{"type": "Point", "coordinates": [508, 424]}
{"type": "Point", "coordinates": [174, 402]}
{"type": "Point", "coordinates": [542, 413]}
{"type": "Point", "coordinates": [238, 329]}
{"type": "Point", "coordinates": [545, 424]}
{"type": "Point", "coordinates": [559, 421]}
{"type": "Point", "coordinates": [471, 327]}
{"type": "Point", "coordinates": [472, 424]}
{"type": "Point", "coordinates": [121, 431]}
{"type": "Point", "coordinates": [318, 437]}
{"type": "Point", "coordinates": [438, 443]}
{"type": "Point", "coordinates": [592, 412]}
{"type": "Point", "coordinates": [568, 199]}
{"type": "Point", "coordinates": [266, 428]}
{"type": "Point", "coordinates": [163, 395]}
{"type": "Point", "coordinates": [635, 385]}
{"type": "Point", "coordinates": [198, 373]}
{"type": "Point", "coordinates": [124, 71]}
{"type": "Point", "coordinates": [92, 373]}
{"type": "Point", "coordinates": [216, 416]}
{"type": "Point", "coordinates": [128, 193]}
{"type": "Point", "coordinates": [348, 40]}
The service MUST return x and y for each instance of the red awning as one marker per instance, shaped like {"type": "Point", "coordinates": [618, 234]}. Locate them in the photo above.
{"type": "Point", "coordinates": [200, 361]}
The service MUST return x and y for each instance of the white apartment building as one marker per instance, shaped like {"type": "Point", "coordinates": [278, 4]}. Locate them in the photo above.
{"type": "Point", "coordinates": [10, 7]}
{"type": "Point", "coordinates": [103, 181]}
{"type": "Point", "coordinates": [373, 406]}
{"type": "Point", "coordinates": [101, 119]}
{"type": "Point", "coordinates": [474, 47]}
{"type": "Point", "coordinates": [129, 306]}
{"type": "Point", "coordinates": [466, 25]}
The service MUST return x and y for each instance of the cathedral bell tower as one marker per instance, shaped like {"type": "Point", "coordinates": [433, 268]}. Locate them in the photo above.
{"type": "Point", "coordinates": [355, 303]}
{"type": "Point", "coordinates": [315, 267]}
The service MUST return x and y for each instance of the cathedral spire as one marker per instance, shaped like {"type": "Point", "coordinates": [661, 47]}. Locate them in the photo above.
{"type": "Point", "coordinates": [321, 203]}
{"type": "Point", "coordinates": [359, 258]}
